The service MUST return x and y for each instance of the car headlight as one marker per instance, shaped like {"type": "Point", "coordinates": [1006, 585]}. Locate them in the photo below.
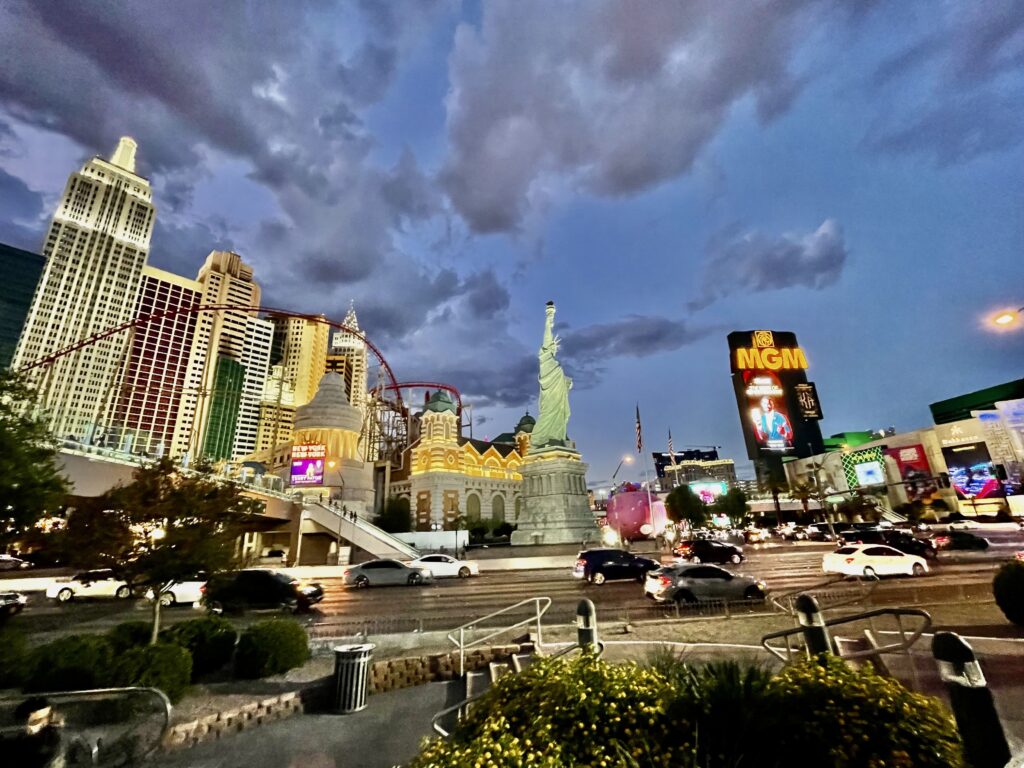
{"type": "Point", "coordinates": [761, 585]}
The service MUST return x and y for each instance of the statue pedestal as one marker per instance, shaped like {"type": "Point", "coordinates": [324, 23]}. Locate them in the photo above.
{"type": "Point", "coordinates": [555, 507]}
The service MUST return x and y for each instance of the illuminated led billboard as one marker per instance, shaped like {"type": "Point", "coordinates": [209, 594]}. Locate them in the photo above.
{"type": "Point", "coordinates": [708, 491]}
{"type": "Point", "coordinates": [779, 408]}
{"type": "Point", "coordinates": [308, 464]}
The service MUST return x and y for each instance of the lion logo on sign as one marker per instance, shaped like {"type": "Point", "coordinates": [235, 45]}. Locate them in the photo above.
{"type": "Point", "coordinates": [763, 339]}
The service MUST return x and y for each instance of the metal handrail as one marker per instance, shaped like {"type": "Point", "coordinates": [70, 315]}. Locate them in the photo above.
{"type": "Point", "coordinates": [56, 697]}
{"type": "Point", "coordinates": [873, 581]}
{"type": "Point", "coordinates": [899, 613]}
{"type": "Point", "coordinates": [460, 641]}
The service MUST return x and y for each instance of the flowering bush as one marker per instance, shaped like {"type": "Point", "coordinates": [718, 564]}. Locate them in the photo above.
{"type": "Point", "coordinates": [585, 712]}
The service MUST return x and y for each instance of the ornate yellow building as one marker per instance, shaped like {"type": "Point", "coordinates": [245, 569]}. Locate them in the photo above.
{"type": "Point", "coordinates": [445, 475]}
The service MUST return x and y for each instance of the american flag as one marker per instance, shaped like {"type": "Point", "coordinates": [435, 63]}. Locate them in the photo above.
{"type": "Point", "coordinates": [671, 451]}
{"type": "Point", "coordinates": [639, 432]}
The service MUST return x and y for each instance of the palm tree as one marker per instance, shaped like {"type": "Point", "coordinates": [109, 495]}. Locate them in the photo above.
{"type": "Point", "coordinates": [803, 493]}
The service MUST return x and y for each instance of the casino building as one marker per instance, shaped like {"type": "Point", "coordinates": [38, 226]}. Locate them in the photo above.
{"type": "Point", "coordinates": [445, 475]}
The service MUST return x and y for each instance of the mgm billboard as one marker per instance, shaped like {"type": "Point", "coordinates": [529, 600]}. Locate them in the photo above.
{"type": "Point", "coordinates": [779, 408]}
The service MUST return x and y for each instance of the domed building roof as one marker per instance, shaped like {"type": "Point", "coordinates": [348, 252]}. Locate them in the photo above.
{"type": "Point", "coordinates": [440, 402]}
{"type": "Point", "coordinates": [526, 423]}
{"type": "Point", "coordinates": [329, 408]}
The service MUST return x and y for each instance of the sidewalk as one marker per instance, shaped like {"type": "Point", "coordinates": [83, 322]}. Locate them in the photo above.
{"type": "Point", "coordinates": [388, 732]}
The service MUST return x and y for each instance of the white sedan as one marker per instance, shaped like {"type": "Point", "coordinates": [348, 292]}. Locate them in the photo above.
{"type": "Point", "coordinates": [441, 566]}
{"type": "Point", "coordinates": [870, 560]}
{"type": "Point", "coordinates": [101, 583]}
{"type": "Point", "coordinates": [187, 592]}
{"type": "Point", "coordinates": [963, 525]}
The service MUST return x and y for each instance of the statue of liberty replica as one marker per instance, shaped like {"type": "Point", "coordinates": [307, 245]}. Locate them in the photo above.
{"type": "Point", "coordinates": [555, 508]}
{"type": "Point", "coordinates": [553, 405]}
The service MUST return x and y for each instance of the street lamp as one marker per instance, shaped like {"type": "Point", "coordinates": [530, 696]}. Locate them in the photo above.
{"type": "Point", "coordinates": [1007, 319]}
{"type": "Point", "coordinates": [626, 459]}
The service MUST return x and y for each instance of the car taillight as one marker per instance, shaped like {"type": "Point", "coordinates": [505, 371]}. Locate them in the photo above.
{"type": "Point", "coordinates": [581, 563]}
{"type": "Point", "coordinates": [664, 581]}
{"type": "Point", "coordinates": [347, 572]}
{"type": "Point", "coordinates": [202, 589]}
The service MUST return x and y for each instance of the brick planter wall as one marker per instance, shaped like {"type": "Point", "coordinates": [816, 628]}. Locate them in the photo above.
{"type": "Point", "coordinates": [389, 675]}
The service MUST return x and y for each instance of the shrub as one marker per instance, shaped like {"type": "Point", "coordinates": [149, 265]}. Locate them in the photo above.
{"type": "Point", "coordinates": [271, 648]}
{"type": "Point", "coordinates": [210, 640]}
{"type": "Point", "coordinates": [71, 663]}
{"type": "Point", "coordinates": [831, 714]}
{"type": "Point", "coordinates": [504, 530]}
{"type": "Point", "coordinates": [559, 712]}
{"type": "Point", "coordinates": [164, 666]}
{"type": "Point", "coordinates": [586, 712]}
{"type": "Point", "coordinates": [14, 657]}
{"type": "Point", "coordinates": [1008, 590]}
{"type": "Point", "coordinates": [130, 634]}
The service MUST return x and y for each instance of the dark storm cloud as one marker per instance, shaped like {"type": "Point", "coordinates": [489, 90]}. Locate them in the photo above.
{"type": "Point", "coordinates": [21, 213]}
{"type": "Point", "coordinates": [631, 336]}
{"type": "Point", "coordinates": [751, 262]}
{"type": "Point", "coordinates": [512, 383]}
{"type": "Point", "coordinates": [970, 102]}
{"type": "Point", "coordinates": [485, 296]}
{"type": "Point", "coordinates": [608, 94]}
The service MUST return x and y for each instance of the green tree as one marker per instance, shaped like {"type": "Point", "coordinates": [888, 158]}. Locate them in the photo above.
{"type": "Point", "coordinates": [396, 517]}
{"type": "Point", "coordinates": [31, 483]}
{"type": "Point", "coordinates": [803, 493]}
{"type": "Point", "coordinates": [732, 504]}
{"type": "Point", "coordinates": [164, 526]}
{"type": "Point", "coordinates": [683, 506]}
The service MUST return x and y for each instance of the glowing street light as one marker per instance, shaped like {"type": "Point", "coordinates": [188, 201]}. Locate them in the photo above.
{"type": "Point", "coordinates": [1007, 319]}
{"type": "Point", "coordinates": [626, 459]}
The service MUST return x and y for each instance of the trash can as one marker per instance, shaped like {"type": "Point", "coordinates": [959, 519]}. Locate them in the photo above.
{"type": "Point", "coordinates": [351, 676]}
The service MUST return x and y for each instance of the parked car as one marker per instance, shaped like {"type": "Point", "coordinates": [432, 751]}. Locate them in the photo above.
{"type": "Point", "coordinates": [688, 583]}
{"type": "Point", "coordinates": [896, 539]}
{"type": "Point", "coordinates": [960, 540]}
{"type": "Point", "coordinates": [380, 573]}
{"type": "Point", "coordinates": [11, 563]}
{"type": "Point", "coordinates": [701, 551]}
{"type": "Point", "coordinates": [98, 583]}
{"type": "Point", "coordinates": [185, 592]}
{"type": "Point", "coordinates": [755, 535]}
{"type": "Point", "coordinates": [819, 532]}
{"type": "Point", "coordinates": [259, 588]}
{"type": "Point", "coordinates": [441, 566]}
{"type": "Point", "coordinates": [11, 603]}
{"type": "Point", "coordinates": [600, 565]}
{"type": "Point", "coordinates": [796, 533]}
{"type": "Point", "coordinates": [872, 560]}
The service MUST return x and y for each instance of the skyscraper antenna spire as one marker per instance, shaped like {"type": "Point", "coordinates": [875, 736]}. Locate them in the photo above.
{"type": "Point", "coordinates": [124, 155]}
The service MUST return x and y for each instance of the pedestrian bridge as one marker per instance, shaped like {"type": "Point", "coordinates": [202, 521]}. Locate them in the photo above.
{"type": "Point", "coordinates": [92, 471]}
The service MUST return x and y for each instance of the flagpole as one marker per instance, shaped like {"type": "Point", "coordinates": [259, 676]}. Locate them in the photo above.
{"type": "Point", "coordinates": [647, 477]}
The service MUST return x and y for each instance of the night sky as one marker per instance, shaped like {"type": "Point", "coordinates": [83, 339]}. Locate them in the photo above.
{"type": "Point", "coordinates": [665, 171]}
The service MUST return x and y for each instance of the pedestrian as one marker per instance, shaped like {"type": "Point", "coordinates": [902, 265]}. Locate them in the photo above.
{"type": "Point", "coordinates": [354, 516]}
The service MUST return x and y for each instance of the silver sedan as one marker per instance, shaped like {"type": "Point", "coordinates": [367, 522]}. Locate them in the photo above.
{"type": "Point", "coordinates": [385, 572]}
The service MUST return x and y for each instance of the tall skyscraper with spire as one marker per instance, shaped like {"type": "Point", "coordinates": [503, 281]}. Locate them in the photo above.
{"type": "Point", "coordinates": [348, 357]}
{"type": "Point", "coordinates": [95, 251]}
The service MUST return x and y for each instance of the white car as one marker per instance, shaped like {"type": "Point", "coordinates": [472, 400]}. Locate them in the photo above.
{"type": "Point", "coordinates": [872, 560]}
{"type": "Point", "coordinates": [184, 592]}
{"type": "Point", "coordinates": [441, 566]}
{"type": "Point", "coordinates": [11, 563]}
{"type": "Point", "coordinates": [963, 525]}
{"type": "Point", "coordinates": [100, 583]}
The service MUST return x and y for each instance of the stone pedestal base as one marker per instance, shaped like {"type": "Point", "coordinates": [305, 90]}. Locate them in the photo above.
{"type": "Point", "coordinates": [555, 509]}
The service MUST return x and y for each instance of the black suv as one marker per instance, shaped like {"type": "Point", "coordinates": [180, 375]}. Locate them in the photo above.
{"type": "Point", "coordinates": [896, 539]}
{"type": "Point", "coordinates": [707, 551]}
{"type": "Point", "coordinates": [259, 588]}
{"type": "Point", "coordinates": [600, 565]}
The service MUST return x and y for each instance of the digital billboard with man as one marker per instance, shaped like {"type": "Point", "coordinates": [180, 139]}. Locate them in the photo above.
{"type": "Point", "coordinates": [768, 417]}
{"type": "Point", "coordinates": [779, 410]}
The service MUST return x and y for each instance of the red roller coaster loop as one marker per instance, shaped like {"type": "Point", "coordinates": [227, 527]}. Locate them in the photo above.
{"type": "Point", "coordinates": [143, 320]}
{"type": "Point", "coordinates": [426, 385]}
